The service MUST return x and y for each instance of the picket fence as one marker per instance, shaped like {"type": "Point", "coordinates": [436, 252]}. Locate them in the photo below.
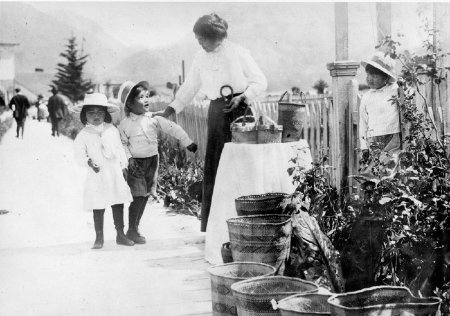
{"type": "Point", "coordinates": [316, 122]}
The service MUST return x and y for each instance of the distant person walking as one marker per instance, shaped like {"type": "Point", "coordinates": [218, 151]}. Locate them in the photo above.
{"type": "Point", "coordinates": [56, 110]}
{"type": "Point", "coordinates": [38, 104]}
{"type": "Point", "coordinates": [220, 63]}
{"type": "Point", "coordinates": [19, 104]}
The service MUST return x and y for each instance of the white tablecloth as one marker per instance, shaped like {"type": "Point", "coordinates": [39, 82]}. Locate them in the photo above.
{"type": "Point", "coordinates": [247, 169]}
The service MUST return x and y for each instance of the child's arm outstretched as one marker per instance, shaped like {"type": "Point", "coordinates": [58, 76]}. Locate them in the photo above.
{"type": "Point", "coordinates": [176, 131]}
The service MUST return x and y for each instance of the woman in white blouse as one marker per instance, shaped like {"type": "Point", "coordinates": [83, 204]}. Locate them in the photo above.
{"type": "Point", "coordinates": [220, 63]}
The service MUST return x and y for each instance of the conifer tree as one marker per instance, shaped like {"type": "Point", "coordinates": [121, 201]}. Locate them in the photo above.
{"type": "Point", "coordinates": [69, 78]}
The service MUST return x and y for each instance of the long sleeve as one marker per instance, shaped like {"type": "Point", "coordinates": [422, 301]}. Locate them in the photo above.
{"type": "Point", "coordinates": [257, 82]}
{"type": "Point", "coordinates": [124, 139]}
{"type": "Point", "coordinates": [363, 120]}
{"type": "Point", "coordinates": [79, 150]}
{"type": "Point", "coordinates": [174, 130]}
{"type": "Point", "coordinates": [189, 88]}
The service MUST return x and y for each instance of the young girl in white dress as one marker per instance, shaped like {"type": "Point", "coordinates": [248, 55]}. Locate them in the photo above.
{"type": "Point", "coordinates": [98, 148]}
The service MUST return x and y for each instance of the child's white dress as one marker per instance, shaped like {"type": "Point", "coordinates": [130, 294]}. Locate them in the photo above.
{"type": "Point", "coordinates": [108, 186]}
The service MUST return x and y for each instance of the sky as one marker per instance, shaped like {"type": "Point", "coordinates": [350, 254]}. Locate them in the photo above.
{"type": "Point", "coordinates": [151, 24]}
{"type": "Point", "coordinates": [160, 22]}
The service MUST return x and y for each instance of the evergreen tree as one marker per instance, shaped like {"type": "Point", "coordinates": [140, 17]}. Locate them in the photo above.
{"type": "Point", "coordinates": [69, 79]}
{"type": "Point", "coordinates": [320, 85]}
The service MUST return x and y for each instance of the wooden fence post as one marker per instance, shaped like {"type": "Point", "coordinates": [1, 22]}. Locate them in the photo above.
{"type": "Point", "coordinates": [342, 73]}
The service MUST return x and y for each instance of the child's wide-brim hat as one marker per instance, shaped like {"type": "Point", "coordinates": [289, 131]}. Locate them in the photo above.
{"type": "Point", "coordinates": [126, 87]}
{"type": "Point", "coordinates": [383, 63]}
{"type": "Point", "coordinates": [98, 99]}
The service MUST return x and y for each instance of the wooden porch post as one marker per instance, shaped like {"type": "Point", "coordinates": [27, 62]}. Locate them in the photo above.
{"type": "Point", "coordinates": [441, 14]}
{"type": "Point", "coordinates": [343, 72]}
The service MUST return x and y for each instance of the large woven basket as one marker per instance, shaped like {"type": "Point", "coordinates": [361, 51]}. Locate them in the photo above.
{"type": "Point", "coordinates": [260, 204]}
{"type": "Point", "coordinates": [291, 116]}
{"type": "Point", "coordinates": [224, 275]}
{"type": "Point", "coordinates": [253, 296]}
{"type": "Point", "coordinates": [382, 301]}
{"type": "Point", "coordinates": [261, 238]}
{"type": "Point", "coordinates": [312, 304]}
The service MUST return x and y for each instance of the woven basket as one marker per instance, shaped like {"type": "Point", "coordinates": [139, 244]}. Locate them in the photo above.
{"type": "Point", "coordinates": [268, 131]}
{"type": "Point", "coordinates": [291, 116]}
{"type": "Point", "coordinates": [253, 297]}
{"type": "Point", "coordinates": [223, 276]}
{"type": "Point", "coordinates": [314, 304]}
{"type": "Point", "coordinates": [382, 301]}
{"type": "Point", "coordinates": [261, 238]}
{"type": "Point", "coordinates": [260, 204]}
{"type": "Point", "coordinates": [243, 129]}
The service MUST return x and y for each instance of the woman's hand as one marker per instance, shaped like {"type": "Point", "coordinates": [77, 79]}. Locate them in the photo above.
{"type": "Point", "coordinates": [166, 113]}
{"type": "Point", "coordinates": [93, 166]}
{"type": "Point", "coordinates": [234, 103]}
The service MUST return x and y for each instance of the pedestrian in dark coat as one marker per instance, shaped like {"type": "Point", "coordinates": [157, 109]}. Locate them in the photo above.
{"type": "Point", "coordinates": [19, 104]}
{"type": "Point", "coordinates": [56, 110]}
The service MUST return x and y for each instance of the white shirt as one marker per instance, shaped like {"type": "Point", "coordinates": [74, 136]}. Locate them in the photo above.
{"type": "Point", "coordinates": [139, 134]}
{"type": "Point", "coordinates": [229, 64]}
{"type": "Point", "coordinates": [377, 115]}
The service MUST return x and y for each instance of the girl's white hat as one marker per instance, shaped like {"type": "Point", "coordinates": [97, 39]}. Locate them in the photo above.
{"type": "Point", "coordinates": [383, 63]}
{"type": "Point", "coordinates": [126, 87]}
{"type": "Point", "coordinates": [96, 99]}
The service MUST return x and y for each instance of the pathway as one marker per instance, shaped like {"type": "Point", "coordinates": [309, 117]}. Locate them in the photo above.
{"type": "Point", "coordinates": [46, 264]}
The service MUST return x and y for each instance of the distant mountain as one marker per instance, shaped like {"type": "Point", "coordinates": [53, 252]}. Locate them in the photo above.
{"type": "Point", "coordinates": [292, 42]}
{"type": "Point", "coordinates": [43, 37]}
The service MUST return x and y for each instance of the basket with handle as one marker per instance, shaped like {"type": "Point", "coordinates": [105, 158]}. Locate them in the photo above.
{"type": "Point", "coordinates": [261, 238]}
{"type": "Point", "coordinates": [243, 129]}
{"type": "Point", "coordinates": [309, 304]}
{"type": "Point", "coordinates": [268, 131]}
{"type": "Point", "coordinates": [254, 296]}
{"type": "Point", "coordinates": [260, 204]}
{"type": "Point", "coordinates": [382, 301]}
{"type": "Point", "coordinates": [291, 117]}
{"type": "Point", "coordinates": [224, 275]}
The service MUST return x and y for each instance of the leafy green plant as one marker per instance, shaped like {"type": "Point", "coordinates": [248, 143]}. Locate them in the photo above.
{"type": "Point", "coordinates": [179, 178]}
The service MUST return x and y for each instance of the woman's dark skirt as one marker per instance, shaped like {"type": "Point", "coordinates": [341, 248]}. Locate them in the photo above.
{"type": "Point", "coordinates": [219, 133]}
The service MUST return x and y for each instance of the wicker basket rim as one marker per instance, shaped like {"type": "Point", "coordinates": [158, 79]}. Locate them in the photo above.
{"type": "Point", "coordinates": [235, 286]}
{"type": "Point", "coordinates": [211, 269]}
{"type": "Point", "coordinates": [264, 196]}
{"type": "Point", "coordinates": [334, 297]}
{"type": "Point", "coordinates": [238, 220]}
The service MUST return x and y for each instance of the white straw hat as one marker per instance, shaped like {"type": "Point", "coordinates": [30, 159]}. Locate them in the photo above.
{"type": "Point", "coordinates": [96, 99]}
{"type": "Point", "coordinates": [126, 87]}
{"type": "Point", "coordinates": [383, 63]}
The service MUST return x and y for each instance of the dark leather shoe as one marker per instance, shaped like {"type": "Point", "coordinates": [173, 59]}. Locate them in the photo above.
{"type": "Point", "coordinates": [136, 237]}
{"type": "Point", "coordinates": [121, 239]}
{"type": "Point", "coordinates": [98, 243]}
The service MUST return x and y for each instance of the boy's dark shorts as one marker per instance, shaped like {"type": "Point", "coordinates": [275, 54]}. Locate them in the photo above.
{"type": "Point", "coordinates": [143, 179]}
